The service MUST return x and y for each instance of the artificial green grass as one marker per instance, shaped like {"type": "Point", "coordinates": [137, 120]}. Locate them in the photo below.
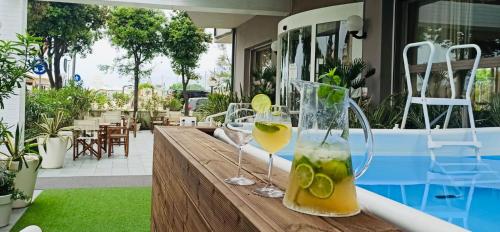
{"type": "Point", "coordinates": [93, 209]}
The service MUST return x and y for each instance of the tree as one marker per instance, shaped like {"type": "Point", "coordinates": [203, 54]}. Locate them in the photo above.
{"type": "Point", "coordinates": [221, 75]}
{"type": "Point", "coordinates": [139, 32]}
{"type": "Point", "coordinates": [15, 57]}
{"type": "Point", "coordinates": [184, 43]}
{"type": "Point", "coordinates": [65, 28]}
{"type": "Point", "coordinates": [120, 99]}
{"type": "Point", "coordinates": [195, 87]}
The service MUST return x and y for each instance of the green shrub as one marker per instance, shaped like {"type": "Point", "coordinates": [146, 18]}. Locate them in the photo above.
{"type": "Point", "coordinates": [218, 102]}
{"type": "Point", "coordinates": [172, 103]}
{"type": "Point", "coordinates": [73, 100]}
{"type": "Point", "coordinates": [120, 99]}
{"type": "Point", "coordinates": [494, 111]}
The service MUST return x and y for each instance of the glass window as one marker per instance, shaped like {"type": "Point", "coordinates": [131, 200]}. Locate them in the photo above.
{"type": "Point", "coordinates": [332, 45]}
{"type": "Point", "coordinates": [263, 74]}
{"type": "Point", "coordinates": [448, 23]}
{"type": "Point", "coordinates": [300, 54]}
{"type": "Point", "coordinates": [284, 68]}
{"type": "Point", "coordinates": [263, 58]}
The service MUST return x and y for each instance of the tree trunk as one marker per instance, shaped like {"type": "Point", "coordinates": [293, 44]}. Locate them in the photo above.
{"type": "Point", "coordinates": [57, 71]}
{"type": "Point", "coordinates": [58, 53]}
{"type": "Point", "coordinates": [184, 92]}
{"type": "Point", "coordinates": [48, 48]}
{"type": "Point", "coordinates": [136, 89]}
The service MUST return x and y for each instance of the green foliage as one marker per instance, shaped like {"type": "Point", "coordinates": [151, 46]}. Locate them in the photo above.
{"type": "Point", "coordinates": [16, 150]}
{"type": "Point", "coordinates": [120, 99]}
{"type": "Point", "coordinates": [101, 100]}
{"type": "Point", "coordinates": [494, 109]}
{"type": "Point", "coordinates": [190, 87]}
{"type": "Point", "coordinates": [72, 99]}
{"type": "Point", "coordinates": [140, 33]}
{"type": "Point", "coordinates": [265, 82]}
{"type": "Point", "coordinates": [153, 104]}
{"type": "Point", "coordinates": [347, 75]}
{"type": "Point", "coordinates": [390, 112]}
{"type": "Point", "coordinates": [50, 127]}
{"type": "Point", "coordinates": [7, 184]}
{"type": "Point", "coordinates": [218, 102]}
{"type": "Point", "coordinates": [172, 103]}
{"type": "Point", "coordinates": [65, 28]}
{"type": "Point", "coordinates": [15, 62]}
{"type": "Point", "coordinates": [184, 43]}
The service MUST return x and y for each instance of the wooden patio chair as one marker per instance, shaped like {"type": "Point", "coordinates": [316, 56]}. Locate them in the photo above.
{"type": "Point", "coordinates": [158, 120]}
{"type": "Point", "coordinates": [118, 135]}
{"type": "Point", "coordinates": [174, 118]}
{"type": "Point", "coordinates": [86, 133]}
{"type": "Point", "coordinates": [132, 125]}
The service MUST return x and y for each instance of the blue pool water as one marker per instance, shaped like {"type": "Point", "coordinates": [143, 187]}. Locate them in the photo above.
{"type": "Point", "coordinates": [460, 190]}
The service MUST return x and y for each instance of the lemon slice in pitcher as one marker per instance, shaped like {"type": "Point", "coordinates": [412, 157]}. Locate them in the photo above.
{"type": "Point", "coordinates": [305, 175]}
{"type": "Point", "coordinates": [261, 103]}
{"type": "Point", "coordinates": [322, 186]}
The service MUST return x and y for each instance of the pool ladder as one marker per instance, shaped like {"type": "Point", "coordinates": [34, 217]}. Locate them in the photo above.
{"type": "Point", "coordinates": [450, 102]}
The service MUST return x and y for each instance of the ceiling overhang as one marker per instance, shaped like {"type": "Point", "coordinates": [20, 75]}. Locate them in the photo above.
{"type": "Point", "coordinates": [218, 20]}
{"type": "Point", "coordinates": [241, 7]}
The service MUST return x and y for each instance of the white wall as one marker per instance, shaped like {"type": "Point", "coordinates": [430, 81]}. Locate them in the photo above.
{"type": "Point", "coordinates": [13, 14]}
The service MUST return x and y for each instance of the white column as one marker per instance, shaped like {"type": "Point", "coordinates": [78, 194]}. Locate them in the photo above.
{"type": "Point", "coordinates": [13, 17]}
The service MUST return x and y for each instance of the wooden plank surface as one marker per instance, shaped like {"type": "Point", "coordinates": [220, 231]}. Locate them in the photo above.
{"type": "Point", "coordinates": [189, 193]}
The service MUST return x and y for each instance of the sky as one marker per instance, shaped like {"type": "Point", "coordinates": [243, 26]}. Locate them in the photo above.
{"type": "Point", "coordinates": [103, 53]}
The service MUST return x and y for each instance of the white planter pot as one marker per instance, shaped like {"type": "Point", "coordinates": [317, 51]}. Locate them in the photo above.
{"type": "Point", "coordinates": [53, 157]}
{"type": "Point", "coordinates": [25, 180]}
{"type": "Point", "coordinates": [5, 209]}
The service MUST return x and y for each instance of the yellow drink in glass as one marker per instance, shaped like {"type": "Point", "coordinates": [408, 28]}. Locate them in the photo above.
{"type": "Point", "coordinates": [272, 136]}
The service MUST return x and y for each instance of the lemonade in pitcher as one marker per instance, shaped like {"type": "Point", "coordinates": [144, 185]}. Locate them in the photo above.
{"type": "Point", "coordinates": [321, 180]}
{"type": "Point", "coordinates": [322, 177]}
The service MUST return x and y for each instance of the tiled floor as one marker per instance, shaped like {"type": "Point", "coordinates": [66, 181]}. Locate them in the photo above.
{"type": "Point", "coordinates": [139, 161]}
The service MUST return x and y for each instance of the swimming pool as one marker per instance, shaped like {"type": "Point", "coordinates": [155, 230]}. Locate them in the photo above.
{"type": "Point", "coordinates": [466, 194]}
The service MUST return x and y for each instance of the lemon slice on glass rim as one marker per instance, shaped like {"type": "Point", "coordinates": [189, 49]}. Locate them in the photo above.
{"type": "Point", "coordinates": [261, 103]}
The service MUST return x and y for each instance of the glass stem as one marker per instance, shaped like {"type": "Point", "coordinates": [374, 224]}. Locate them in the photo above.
{"type": "Point", "coordinates": [239, 160]}
{"type": "Point", "coordinates": [269, 171]}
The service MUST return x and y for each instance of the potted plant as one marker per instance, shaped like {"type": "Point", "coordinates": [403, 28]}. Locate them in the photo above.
{"type": "Point", "coordinates": [23, 160]}
{"type": "Point", "coordinates": [7, 193]}
{"type": "Point", "coordinates": [51, 145]}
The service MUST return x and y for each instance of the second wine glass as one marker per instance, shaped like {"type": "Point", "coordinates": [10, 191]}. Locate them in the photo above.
{"type": "Point", "coordinates": [272, 130]}
{"type": "Point", "coordinates": [238, 127]}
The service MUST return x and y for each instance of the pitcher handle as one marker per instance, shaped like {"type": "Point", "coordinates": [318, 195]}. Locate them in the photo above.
{"type": "Point", "coordinates": [360, 170]}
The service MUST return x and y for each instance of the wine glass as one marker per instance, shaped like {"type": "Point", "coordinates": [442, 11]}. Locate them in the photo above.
{"type": "Point", "coordinates": [238, 127]}
{"type": "Point", "coordinates": [272, 130]}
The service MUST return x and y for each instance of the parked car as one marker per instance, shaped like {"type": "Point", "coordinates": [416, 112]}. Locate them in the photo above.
{"type": "Point", "coordinates": [196, 102]}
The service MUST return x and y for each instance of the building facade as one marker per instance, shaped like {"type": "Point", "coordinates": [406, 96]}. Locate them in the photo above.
{"type": "Point", "coordinates": [299, 37]}
{"type": "Point", "coordinates": [389, 25]}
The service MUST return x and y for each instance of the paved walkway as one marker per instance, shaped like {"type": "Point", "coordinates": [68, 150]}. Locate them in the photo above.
{"type": "Point", "coordinates": [138, 163]}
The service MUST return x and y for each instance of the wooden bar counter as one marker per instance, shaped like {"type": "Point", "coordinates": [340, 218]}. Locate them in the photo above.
{"type": "Point", "coordinates": [189, 193]}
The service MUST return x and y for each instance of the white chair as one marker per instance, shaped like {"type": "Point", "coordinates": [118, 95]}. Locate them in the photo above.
{"type": "Point", "coordinates": [31, 228]}
{"type": "Point", "coordinates": [187, 121]}
{"type": "Point", "coordinates": [450, 102]}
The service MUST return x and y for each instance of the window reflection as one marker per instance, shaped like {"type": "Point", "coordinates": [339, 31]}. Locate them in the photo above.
{"type": "Point", "coordinates": [331, 46]}
{"type": "Point", "coordinates": [448, 23]}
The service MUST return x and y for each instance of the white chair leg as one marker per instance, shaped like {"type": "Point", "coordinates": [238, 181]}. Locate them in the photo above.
{"type": "Point", "coordinates": [448, 115]}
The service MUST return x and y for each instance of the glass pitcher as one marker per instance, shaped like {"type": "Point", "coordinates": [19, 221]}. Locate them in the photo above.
{"type": "Point", "coordinates": [322, 177]}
